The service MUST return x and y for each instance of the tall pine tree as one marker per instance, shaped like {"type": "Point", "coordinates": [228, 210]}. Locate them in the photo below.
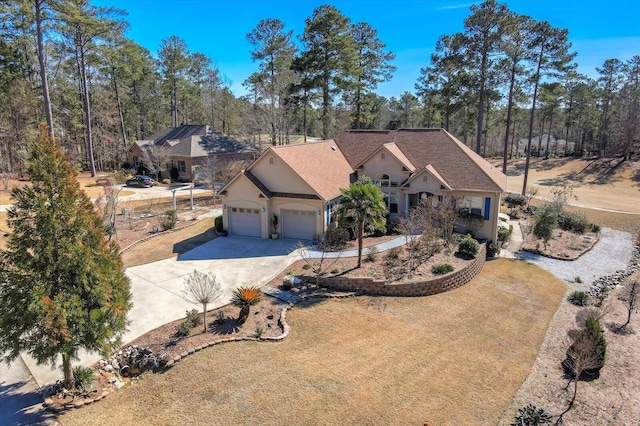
{"type": "Point", "coordinates": [62, 286]}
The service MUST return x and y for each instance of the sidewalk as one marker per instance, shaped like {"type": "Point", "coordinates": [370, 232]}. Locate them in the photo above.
{"type": "Point", "coordinates": [314, 253]}
{"type": "Point", "coordinates": [512, 250]}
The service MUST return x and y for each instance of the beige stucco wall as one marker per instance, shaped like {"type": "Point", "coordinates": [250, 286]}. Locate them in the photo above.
{"type": "Point", "coordinates": [276, 205]}
{"type": "Point", "coordinates": [244, 194]}
{"type": "Point", "coordinates": [489, 230]}
{"type": "Point", "coordinates": [279, 177]}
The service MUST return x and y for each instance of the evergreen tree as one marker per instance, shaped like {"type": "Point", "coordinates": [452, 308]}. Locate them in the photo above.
{"type": "Point", "coordinates": [62, 285]}
{"type": "Point", "coordinates": [330, 56]}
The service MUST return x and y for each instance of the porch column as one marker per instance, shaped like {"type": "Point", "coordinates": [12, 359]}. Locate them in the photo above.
{"type": "Point", "coordinates": [406, 204]}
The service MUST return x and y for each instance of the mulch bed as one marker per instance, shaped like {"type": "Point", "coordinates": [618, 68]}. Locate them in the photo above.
{"type": "Point", "coordinates": [564, 245]}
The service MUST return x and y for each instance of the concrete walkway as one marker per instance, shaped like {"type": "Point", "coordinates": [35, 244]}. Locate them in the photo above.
{"type": "Point", "coordinates": [156, 287]}
{"type": "Point", "coordinates": [314, 253]}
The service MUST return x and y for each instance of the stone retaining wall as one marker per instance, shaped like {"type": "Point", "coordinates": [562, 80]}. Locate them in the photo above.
{"type": "Point", "coordinates": [365, 285]}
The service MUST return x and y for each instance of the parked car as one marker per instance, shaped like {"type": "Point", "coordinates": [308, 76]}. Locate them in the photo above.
{"type": "Point", "coordinates": [141, 181]}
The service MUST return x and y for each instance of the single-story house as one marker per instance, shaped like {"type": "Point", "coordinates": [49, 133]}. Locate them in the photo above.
{"type": "Point", "coordinates": [301, 184]}
{"type": "Point", "coordinates": [188, 147]}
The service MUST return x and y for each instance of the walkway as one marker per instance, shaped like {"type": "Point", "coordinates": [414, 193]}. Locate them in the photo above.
{"type": "Point", "coordinates": [314, 253]}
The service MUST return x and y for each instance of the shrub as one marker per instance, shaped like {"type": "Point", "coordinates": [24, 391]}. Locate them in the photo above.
{"type": "Point", "coordinates": [220, 318]}
{"type": "Point", "coordinates": [335, 237]}
{"type": "Point", "coordinates": [372, 253]}
{"type": "Point", "coordinates": [193, 318]}
{"type": "Point", "coordinates": [183, 329]}
{"type": "Point", "coordinates": [82, 377]}
{"type": "Point", "coordinates": [503, 234]}
{"type": "Point", "coordinates": [595, 227]}
{"type": "Point", "coordinates": [576, 222]}
{"type": "Point", "coordinates": [244, 298]}
{"type": "Point", "coordinates": [174, 173]}
{"type": "Point", "coordinates": [257, 333]}
{"type": "Point", "coordinates": [441, 269]}
{"type": "Point", "coordinates": [469, 246]}
{"type": "Point", "coordinates": [546, 221]}
{"type": "Point", "coordinates": [493, 249]}
{"type": "Point", "coordinates": [531, 416]}
{"type": "Point", "coordinates": [515, 200]}
{"type": "Point", "coordinates": [218, 223]}
{"type": "Point", "coordinates": [306, 266]}
{"type": "Point", "coordinates": [578, 298]}
{"type": "Point", "coordinates": [168, 220]}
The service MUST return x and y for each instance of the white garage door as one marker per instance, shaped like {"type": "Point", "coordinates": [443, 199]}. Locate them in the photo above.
{"type": "Point", "coordinates": [245, 222]}
{"type": "Point", "coordinates": [298, 224]}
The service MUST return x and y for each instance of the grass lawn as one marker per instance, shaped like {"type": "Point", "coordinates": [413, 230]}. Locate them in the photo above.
{"type": "Point", "coordinates": [454, 358]}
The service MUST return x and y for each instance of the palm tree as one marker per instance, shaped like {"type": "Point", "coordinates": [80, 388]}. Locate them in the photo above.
{"type": "Point", "coordinates": [362, 205]}
{"type": "Point", "coordinates": [244, 298]}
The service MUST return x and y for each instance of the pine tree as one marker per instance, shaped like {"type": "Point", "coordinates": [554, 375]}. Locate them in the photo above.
{"type": "Point", "coordinates": [62, 285]}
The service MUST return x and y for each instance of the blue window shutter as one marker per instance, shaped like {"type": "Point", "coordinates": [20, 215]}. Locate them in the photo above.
{"type": "Point", "coordinates": [487, 206]}
{"type": "Point", "coordinates": [328, 215]}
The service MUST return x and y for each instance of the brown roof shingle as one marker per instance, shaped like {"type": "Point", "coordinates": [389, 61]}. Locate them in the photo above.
{"type": "Point", "coordinates": [320, 164]}
{"type": "Point", "coordinates": [458, 165]}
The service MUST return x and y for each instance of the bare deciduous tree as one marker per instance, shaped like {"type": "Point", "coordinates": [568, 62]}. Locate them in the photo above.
{"type": "Point", "coordinates": [319, 261]}
{"type": "Point", "coordinates": [585, 358]}
{"type": "Point", "coordinates": [216, 171]}
{"type": "Point", "coordinates": [107, 204]}
{"type": "Point", "coordinates": [153, 158]}
{"type": "Point", "coordinates": [201, 289]}
{"type": "Point", "coordinates": [630, 296]}
{"type": "Point", "coordinates": [530, 193]}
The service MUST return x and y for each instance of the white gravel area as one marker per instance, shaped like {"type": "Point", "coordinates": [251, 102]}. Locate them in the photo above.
{"type": "Point", "coordinates": [612, 253]}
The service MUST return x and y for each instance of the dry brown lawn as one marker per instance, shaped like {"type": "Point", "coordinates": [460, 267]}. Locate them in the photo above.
{"type": "Point", "coordinates": [169, 244]}
{"type": "Point", "coordinates": [604, 183]}
{"type": "Point", "coordinates": [454, 358]}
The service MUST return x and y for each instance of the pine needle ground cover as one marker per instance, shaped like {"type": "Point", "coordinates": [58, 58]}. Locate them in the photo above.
{"type": "Point", "coordinates": [454, 358]}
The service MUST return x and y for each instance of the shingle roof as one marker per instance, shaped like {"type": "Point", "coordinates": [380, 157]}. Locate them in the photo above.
{"type": "Point", "coordinates": [319, 164]}
{"type": "Point", "coordinates": [180, 132]}
{"type": "Point", "coordinates": [196, 141]}
{"type": "Point", "coordinates": [457, 164]}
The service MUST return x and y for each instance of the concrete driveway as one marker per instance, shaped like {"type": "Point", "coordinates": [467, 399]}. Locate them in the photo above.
{"type": "Point", "coordinates": [157, 287]}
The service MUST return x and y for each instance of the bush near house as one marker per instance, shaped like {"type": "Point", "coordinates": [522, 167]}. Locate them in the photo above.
{"type": "Point", "coordinates": [469, 246]}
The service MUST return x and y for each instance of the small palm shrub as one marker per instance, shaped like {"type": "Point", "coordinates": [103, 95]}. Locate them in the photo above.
{"type": "Point", "coordinates": [82, 377]}
{"type": "Point", "coordinates": [531, 416]}
{"type": "Point", "coordinates": [595, 227]}
{"type": "Point", "coordinates": [244, 298]}
{"type": "Point", "coordinates": [441, 269]}
{"type": "Point", "coordinates": [469, 246]}
{"type": "Point", "coordinates": [168, 220]}
{"type": "Point", "coordinates": [578, 298]}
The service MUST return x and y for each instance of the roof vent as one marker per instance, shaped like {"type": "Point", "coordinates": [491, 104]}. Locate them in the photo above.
{"type": "Point", "coordinates": [333, 148]}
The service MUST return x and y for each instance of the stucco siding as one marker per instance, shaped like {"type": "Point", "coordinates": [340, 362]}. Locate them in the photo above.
{"type": "Point", "coordinates": [278, 177]}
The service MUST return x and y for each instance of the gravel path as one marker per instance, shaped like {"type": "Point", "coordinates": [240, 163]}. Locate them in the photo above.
{"type": "Point", "coordinates": [612, 253]}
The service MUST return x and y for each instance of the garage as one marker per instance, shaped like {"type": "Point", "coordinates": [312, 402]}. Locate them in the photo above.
{"type": "Point", "coordinates": [245, 222]}
{"type": "Point", "coordinates": [298, 224]}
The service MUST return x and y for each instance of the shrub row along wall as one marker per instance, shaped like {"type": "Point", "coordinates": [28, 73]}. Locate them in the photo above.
{"type": "Point", "coordinates": [367, 285]}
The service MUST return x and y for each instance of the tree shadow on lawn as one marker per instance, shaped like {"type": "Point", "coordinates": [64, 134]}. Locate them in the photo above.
{"type": "Point", "coordinates": [195, 241]}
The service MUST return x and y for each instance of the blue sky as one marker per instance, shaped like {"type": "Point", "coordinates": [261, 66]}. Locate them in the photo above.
{"type": "Point", "coordinates": [598, 29]}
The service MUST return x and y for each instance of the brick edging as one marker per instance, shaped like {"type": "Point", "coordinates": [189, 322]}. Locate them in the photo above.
{"type": "Point", "coordinates": [367, 285]}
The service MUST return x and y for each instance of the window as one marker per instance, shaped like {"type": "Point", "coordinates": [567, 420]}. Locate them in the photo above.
{"type": "Point", "coordinates": [182, 166]}
{"type": "Point", "coordinates": [383, 156]}
{"type": "Point", "coordinates": [170, 165]}
{"type": "Point", "coordinates": [425, 178]}
{"type": "Point", "coordinates": [272, 161]}
{"type": "Point", "coordinates": [472, 205]}
{"type": "Point", "coordinates": [136, 162]}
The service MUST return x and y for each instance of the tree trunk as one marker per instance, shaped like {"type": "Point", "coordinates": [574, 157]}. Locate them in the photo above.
{"type": "Point", "coordinates": [360, 237]}
{"type": "Point", "coordinates": [204, 316]}
{"type": "Point", "coordinates": [244, 313]}
{"type": "Point", "coordinates": [533, 111]}
{"type": "Point", "coordinates": [67, 371]}
{"type": "Point", "coordinates": [87, 106]}
{"type": "Point", "coordinates": [506, 133]}
{"type": "Point", "coordinates": [43, 70]}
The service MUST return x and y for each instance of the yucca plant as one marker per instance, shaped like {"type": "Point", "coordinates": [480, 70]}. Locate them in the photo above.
{"type": "Point", "coordinates": [245, 297]}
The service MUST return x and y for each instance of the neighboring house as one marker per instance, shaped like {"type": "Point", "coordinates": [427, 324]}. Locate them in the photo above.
{"type": "Point", "coordinates": [188, 147]}
{"type": "Point", "coordinates": [301, 183]}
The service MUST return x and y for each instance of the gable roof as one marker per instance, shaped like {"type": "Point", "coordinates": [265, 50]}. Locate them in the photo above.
{"type": "Point", "coordinates": [196, 141]}
{"type": "Point", "coordinates": [457, 165]}
{"type": "Point", "coordinates": [393, 149]}
{"type": "Point", "coordinates": [320, 164]}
